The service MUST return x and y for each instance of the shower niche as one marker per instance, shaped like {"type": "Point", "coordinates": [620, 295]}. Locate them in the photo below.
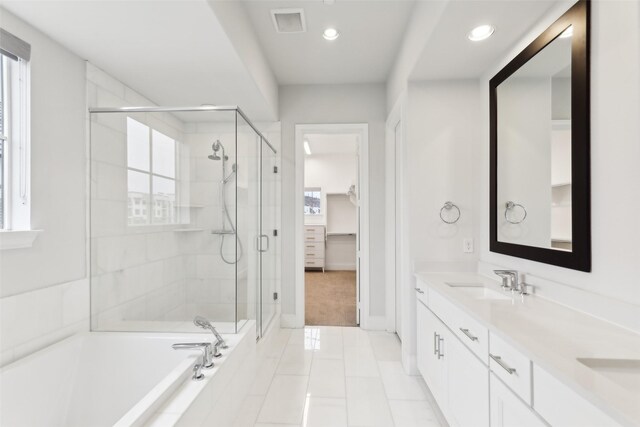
{"type": "Point", "coordinates": [183, 219]}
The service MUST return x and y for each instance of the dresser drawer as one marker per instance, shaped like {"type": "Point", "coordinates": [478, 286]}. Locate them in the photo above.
{"type": "Point", "coordinates": [314, 229]}
{"type": "Point", "coordinates": [314, 262]}
{"type": "Point", "coordinates": [468, 330]}
{"type": "Point", "coordinates": [314, 249]}
{"type": "Point", "coordinates": [511, 366]}
{"type": "Point", "coordinates": [314, 237]}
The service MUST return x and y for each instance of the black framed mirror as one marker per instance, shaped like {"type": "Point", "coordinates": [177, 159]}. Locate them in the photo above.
{"type": "Point", "coordinates": [539, 148]}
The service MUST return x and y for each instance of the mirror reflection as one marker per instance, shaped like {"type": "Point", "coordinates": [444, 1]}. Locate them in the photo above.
{"type": "Point", "coordinates": [534, 150]}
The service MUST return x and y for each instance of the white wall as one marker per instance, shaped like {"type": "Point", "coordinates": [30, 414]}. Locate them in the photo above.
{"type": "Point", "coordinates": [333, 173]}
{"type": "Point", "coordinates": [319, 104]}
{"type": "Point", "coordinates": [424, 17]}
{"type": "Point", "coordinates": [613, 287]}
{"type": "Point", "coordinates": [44, 294]}
{"type": "Point", "coordinates": [438, 164]}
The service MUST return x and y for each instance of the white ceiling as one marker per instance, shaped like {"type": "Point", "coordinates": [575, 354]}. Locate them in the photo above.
{"type": "Point", "coordinates": [333, 143]}
{"type": "Point", "coordinates": [448, 54]}
{"type": "Point", "coordinates": [370, 34]}
{"type": "Point", "coordinates": [174, 52]}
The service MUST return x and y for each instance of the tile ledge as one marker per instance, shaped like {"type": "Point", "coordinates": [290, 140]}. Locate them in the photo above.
{"type": "Point", "coordinates": [17, 239]}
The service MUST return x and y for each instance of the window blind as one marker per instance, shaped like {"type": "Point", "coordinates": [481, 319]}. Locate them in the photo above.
{"type": "Point", "coordinates": [13, 47]}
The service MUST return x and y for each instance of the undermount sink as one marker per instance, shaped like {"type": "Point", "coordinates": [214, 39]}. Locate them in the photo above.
{"type": "Point", "coordinates": [624, 372]}
{"type": "Point", "coordinates": [477, 291]}
{"type": "Point", "coordinates": [483, 293]}
{"type": "Point", "coordinates": [464, 284]}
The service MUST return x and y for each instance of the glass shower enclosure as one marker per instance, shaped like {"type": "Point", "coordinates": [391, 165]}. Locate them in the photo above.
{"type": "Point", "coordinates": [184, 214]}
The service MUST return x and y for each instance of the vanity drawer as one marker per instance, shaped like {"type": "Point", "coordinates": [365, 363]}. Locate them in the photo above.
{"type": "Point", "coordinates": [314, 262]}
{"type": "Point", "coordinates": [511, 366]}
{"type": "Point", "coordinates": [421, 292]}
{"type": "Point", "coordinates": [468, 330]}
{"type": "Point", "coordinates": [561, 406]}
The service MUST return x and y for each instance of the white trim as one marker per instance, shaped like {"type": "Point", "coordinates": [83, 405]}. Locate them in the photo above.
{"type": "Point", "coordinates": [17, 239]}
{"type": "Point", "coordinates": [363, 194]}
{"type": "Point", "coordinates": [289, 321]}
{"type": "Point", "coordinates": [376, 323]}
{"type": "Point", "coordinates": [392, 176]}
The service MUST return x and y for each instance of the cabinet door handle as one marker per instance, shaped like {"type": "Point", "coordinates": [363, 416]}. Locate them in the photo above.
{"type": "Point", "coordinates": [420, 291]}
{"type": "Point", "coordinates": [436, 341]}
{"type": "Point", "coordinates": [503, 365]}
{"type": "Point", "coordinates": [440, 341]}
{"type": "Point", "coordinates": [468, 334]}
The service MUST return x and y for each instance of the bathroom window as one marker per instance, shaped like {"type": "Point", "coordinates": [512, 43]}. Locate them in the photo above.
{"type": "Point", "coordinates": [151, 175]}
{"type": "Point", "coordinates": [15, 210]}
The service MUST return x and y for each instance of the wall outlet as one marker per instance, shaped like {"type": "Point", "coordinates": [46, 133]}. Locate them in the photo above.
{"type": "Point", "coordinates": [467, 246]}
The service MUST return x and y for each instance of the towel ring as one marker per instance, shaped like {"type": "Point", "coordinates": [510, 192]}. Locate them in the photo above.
{"type": "Point", "coordinates": [448, 206]}
{"type": "Point", "coordinates": [511, 206]}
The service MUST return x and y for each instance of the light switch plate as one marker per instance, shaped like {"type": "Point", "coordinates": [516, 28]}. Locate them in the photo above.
{"type": "Point", "coordinates": [467, 246]}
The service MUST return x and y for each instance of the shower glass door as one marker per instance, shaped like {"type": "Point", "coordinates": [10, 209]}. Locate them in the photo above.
{"type": "Point", "coordinates": [268, 236]}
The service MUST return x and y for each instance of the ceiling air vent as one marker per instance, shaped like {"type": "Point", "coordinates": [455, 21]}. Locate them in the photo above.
{"type": "Point", "coordinates": [288, 20]}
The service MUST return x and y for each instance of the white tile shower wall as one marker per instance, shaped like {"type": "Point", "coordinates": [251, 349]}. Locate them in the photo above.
{"type": "Point", "coordinates": [44, 295]}
{"type": "Point", "coordinates": [138, 273]}
{"type": "Point", "coordinates": [211, 288]}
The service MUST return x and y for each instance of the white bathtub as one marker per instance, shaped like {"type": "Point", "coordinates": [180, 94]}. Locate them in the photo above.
{"type": "Point", "coordinates": [107, 379]}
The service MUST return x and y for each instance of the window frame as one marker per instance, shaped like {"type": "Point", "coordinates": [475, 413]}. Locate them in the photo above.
{"type": "Point", "coordinates": [16, 156]}
{"type": "Point", "coordinates": [150, 207]}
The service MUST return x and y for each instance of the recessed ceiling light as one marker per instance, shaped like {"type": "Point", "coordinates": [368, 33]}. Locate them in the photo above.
{"type": "Point", "coordinates": [567, 33]}
{"type": "Point", "coordinates": [307, 149]}
{"type": "Point", "coordinates": [330, 34]}
{"type": "Point", "coordinates": [480, 33]}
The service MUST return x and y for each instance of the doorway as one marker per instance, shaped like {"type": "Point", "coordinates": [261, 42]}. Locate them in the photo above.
{"type": "Point", "coordinates": [331, 224]}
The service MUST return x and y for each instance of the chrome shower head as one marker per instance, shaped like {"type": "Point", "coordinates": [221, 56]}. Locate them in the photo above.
{"type": "Point", "coordinates": [216, 147]}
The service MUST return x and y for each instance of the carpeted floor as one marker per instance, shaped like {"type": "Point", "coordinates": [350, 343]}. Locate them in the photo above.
{"type": "Point", "coordinates": [330, 298]}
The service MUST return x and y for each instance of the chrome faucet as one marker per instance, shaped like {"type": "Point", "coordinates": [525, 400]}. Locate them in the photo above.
{"type": "Point", "coordinates": [207, 356]}
{"type": "Point", "coordinates": [509, 279]}
{"type": "Point", "coordinates": [203, 323]}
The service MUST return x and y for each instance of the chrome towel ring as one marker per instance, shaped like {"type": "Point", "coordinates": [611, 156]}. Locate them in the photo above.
{"type": "Point", "coordinates": [449, 206]}
{"type": "Point", "coordinates": [511, 206]}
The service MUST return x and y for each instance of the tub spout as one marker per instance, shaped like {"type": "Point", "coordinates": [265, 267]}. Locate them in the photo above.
{"type": "Point", "coordinates": [205, 347]}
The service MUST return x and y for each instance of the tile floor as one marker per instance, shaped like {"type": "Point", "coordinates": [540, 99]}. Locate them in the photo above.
{"type": "Point", "coordinates": [332, 377]}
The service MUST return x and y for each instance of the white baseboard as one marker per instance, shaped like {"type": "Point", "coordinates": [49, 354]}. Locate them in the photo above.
{"type": "Point", "coordinates": [340, 267]}
{"type": "Point", "coordinates": [374, 323]}
{"type": "Point", "coordinates": [290, 321]}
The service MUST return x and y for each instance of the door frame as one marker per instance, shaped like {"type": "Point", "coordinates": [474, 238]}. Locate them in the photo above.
{"type": "Point", "coordinates": [362, 259]}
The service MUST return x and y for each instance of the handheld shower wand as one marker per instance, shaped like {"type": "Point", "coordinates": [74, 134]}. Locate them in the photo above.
{"type": "Point", "coordinates": [203, 323]}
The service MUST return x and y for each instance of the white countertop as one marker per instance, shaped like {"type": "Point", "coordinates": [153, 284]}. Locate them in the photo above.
{"type": "Point", "coordinates": [553, 337]}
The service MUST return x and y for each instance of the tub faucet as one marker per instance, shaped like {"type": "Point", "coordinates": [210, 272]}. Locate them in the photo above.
{"type": "Point", "coordinates": [203, 323]}
{"type": "Point", "coordinates": [509, 279]}
{"type": "Point", "coordinates": [205, 347]}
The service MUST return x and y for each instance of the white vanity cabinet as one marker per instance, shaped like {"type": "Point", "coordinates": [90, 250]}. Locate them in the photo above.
{"type": "Point", "coordinates": [507, 410]}
{"type": "Point", "coordinates": [481, 378]}
{"type": "Point", "coordinates": [429, 344]}
{"type": "Point", "coordinates": [458, 380]}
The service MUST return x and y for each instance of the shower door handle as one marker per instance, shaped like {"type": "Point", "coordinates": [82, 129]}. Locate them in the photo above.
{"type": "Point", "coordinates": [259, 245]}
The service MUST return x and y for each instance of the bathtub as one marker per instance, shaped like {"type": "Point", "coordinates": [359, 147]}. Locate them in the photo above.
{"type": "Point", "coordinates": [115, 379]}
